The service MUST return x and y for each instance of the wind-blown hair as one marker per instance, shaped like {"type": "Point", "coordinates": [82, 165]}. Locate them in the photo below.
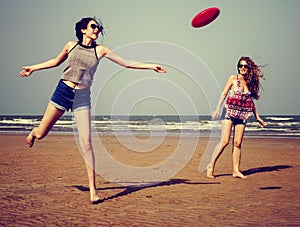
{"type": "Point", "coordinates": [82, 24]}
{"type": "Point", "coordinates": [252, 77]}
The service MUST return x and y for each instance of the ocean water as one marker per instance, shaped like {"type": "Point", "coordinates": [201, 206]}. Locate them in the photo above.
{"type": "Point", "coordinates": [277, 126]}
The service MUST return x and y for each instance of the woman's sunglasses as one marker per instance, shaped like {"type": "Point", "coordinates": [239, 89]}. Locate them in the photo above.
{"type": "Point", "coordinates": [94, 26]}
{"type": "Point", "coordinates": [243, 66]}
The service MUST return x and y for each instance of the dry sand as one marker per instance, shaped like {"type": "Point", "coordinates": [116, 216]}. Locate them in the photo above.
{"type": "Point", "coordinates": [47, 186]}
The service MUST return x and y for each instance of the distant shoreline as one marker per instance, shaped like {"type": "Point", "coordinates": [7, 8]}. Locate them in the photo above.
{"type": "Point", "coordinates": [57, 133]}
{"type": "Point", "coordinates": [187, 126]}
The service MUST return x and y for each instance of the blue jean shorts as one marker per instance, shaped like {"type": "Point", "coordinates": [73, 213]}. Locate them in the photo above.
{"type": "Point", "coordinates": [66, 98]}
{"type": "Point", "coordinates": [235, 121]}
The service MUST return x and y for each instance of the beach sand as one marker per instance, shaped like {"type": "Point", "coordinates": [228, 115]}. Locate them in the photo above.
{"type": "Point", "coordinates": [47, 186]}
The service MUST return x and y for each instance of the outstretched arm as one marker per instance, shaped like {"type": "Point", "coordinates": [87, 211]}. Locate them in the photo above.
{"type": "Point", "coordinates": [130, 63]}
{"type": "Point", "coordinates": [28, 70]}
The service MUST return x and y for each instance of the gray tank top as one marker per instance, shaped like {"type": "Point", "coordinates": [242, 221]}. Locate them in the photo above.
{"type": "Point", "coordinates": [81, 64]}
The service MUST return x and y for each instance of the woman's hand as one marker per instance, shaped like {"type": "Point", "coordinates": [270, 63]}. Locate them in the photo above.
{"type": "Point", "coordinates": [262, 124]}
{"type": "Point", "coordinates": [159, 69]}
{"type": "Point", "coordinates": [26, 71]}
{"type": "Point", "coordinates": [215, 114]}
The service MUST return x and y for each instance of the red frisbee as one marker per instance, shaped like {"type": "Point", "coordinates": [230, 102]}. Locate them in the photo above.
{"type": "Point", "coordinates": [205, 17]}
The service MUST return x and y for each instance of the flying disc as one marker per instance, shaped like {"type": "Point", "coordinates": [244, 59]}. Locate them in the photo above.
{"type": "Point", "coordinates": [205, 17]}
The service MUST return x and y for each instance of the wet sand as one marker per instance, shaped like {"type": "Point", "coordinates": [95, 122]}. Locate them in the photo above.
{"type": "Point", "coordinates": [47, 186]}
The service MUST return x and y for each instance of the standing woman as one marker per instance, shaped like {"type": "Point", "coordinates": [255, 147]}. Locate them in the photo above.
{"type": "Point", "coordinates": [73, 89]}
{"type": "Point", "coordinates": [241, 90]}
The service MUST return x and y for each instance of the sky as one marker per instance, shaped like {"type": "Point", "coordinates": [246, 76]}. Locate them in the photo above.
{"type": "Point", "coordinates": [198, 60]}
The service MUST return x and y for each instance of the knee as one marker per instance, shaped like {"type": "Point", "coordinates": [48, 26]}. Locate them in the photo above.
{"type": "Point", "coordinates": [225, 143]}
{"type": "Point", "coordinates": [237, 144]}
{"type": "Point", "coordinates": [39, 135]}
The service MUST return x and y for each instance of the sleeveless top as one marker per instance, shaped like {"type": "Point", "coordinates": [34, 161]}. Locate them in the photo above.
{"type": "Point", "coordinates": [239, 104]}
{"type": "Point", "coordinates": [81, 64]}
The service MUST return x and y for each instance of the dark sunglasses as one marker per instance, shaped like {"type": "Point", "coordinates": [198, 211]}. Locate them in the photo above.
{"type": "Point", "coordinates": [243, 66]}
{"type": "Point", "coordinates": [94, 26]}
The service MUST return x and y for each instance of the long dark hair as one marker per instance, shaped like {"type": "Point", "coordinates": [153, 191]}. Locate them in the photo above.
{"type": "Point", "coordinates": [82, 24]}
{"type": "Point", "coordinates": [252, 77]}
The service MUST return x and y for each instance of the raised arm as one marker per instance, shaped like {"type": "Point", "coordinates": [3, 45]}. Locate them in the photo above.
{"type": "Point", "coordinates": [106, 52]}
{"type": "Point", "coordinates": [61, 57]}
{"type": "Point", "coordinates": [224, 93]}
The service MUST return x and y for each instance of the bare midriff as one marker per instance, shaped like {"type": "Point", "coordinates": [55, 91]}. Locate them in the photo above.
{"type": "Point", "coordinates": [74, 85]}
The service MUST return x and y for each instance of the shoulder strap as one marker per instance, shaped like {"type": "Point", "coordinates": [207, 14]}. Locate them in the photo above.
{"type": "Point", "coordinates": [96, 51]}
{"type": "Point", "coordinates": [238, 81]}
{"type": "Point", "coordinates": [73, 47]}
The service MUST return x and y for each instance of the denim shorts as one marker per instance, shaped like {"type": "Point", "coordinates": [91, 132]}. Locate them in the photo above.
{"type": "Point", "coordinates": [235, 121]}
{"type": "Point", "coordinates": [66, 98]}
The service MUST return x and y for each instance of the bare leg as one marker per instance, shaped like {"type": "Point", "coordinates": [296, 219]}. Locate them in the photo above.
{"type": "Point", "coordinates": [51, 115]}
{"type": "Point", "coordinates": [83, 122]}
{"type": "Point", "coordinates": [224, 141]}
{"type": "Point", "coordinates": [236, 153]}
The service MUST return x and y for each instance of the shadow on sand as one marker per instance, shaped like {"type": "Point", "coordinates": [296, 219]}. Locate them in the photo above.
{"type": "Point", "coordinates": [263, 169]}
{"type": "Point", "coordinates": [131, 189]}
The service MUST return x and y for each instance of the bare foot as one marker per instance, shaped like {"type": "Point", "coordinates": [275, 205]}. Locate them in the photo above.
{"type": "Point", "coordinates": [239, 175]}
{"type": "Point", "coordinates": [94, 198]}
{"type": "Point", "coordinates": [30, 140]}
{"type": "Point", "coordinates": [210, 172]}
